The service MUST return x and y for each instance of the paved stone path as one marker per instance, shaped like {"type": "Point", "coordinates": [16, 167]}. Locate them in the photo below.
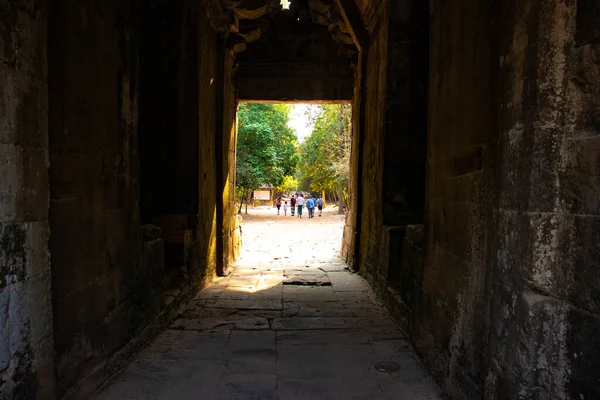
{"type": "Point", "coordinates": [287, 324]}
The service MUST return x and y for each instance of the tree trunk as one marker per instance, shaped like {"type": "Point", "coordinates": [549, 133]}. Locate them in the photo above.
{"type": "Point", "coordinates": [247, 200]}
{"type": "Point", "coordinates": [341, 154]}
{"type": "Point", "coordinates": [242, 202]}
{"type": "Point", "coordinates": [341, 199]}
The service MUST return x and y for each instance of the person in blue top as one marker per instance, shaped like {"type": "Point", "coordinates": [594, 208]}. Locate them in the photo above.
{"type": "Point", "coordinates": [310, 204]}
{"type": "Point", "coordinates": [320, 203]}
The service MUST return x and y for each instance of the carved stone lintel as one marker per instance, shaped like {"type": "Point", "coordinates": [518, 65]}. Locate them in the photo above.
{"type": "Point", "coordinates": [251, 36]}
{"type": "Point", "coordinates": [353, 20]}
{"type": "Point", "coordinates": [342, 37]}
{"type": "Point", "coordinates": [234, 22]}
{"type": "Point", "coordinates": [320, 6]}
{"type": "Point", "coordinates": [320, 18]}
{"type": "Point", "coordinates": [238, 47]}
{"type": "Point", "coordinates": [215, 16]}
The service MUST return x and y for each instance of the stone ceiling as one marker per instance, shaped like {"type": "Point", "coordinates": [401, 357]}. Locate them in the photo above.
{"type": "Point", "coordinates": [265, 20]}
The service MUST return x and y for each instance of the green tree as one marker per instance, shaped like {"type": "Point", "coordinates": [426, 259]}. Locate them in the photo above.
{"type": "Point", "coordinates": [289, 184]}
{"type": "Point", "coordinates": [267, 148]}
{"type": "Point", "coordinates": [325, 154]}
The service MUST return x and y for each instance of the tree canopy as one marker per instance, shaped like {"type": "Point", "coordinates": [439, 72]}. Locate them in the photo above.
{"type": "Point", "coordinates": [324, 155]}
{"type": "Point", "coordinates": [266, 146]}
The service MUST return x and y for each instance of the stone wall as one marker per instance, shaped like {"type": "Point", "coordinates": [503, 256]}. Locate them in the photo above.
{"type": "Point", "coordinates": [97, 294]}
{"type": "Point", "coordinates": [231, 223]}
{"type": "Point", "coordinates": [135, 131]}
{"type": "Point", "coordinates": [169, 109]}
{"type": "Point", "coordinates": [207, 227]}
{"type": "Point", "coordinates": [499, 297]}
{"type": "Point", "coordinates": [545, 289]}
{"type": "Point", "coordinates": [391, 188]}
{"type": "Point", "coordinates": [371, 255]}
{"type": "Point", "coordinates": [404, 150]}
{"type": "Point", "coordinates": [452, 324]}
{"type": "Point", "coordinates": [294, 62]}
{"type": "Point", "coordinates": [348, 248]}
{"type": "Point", "coordinates": [506, 307]}
{"type": "Point", "coordinates": [26, 344]}
{"type": "Point", "coordinates": [295, 83]}
{"type": "Point", "coordinates": [81, 85]}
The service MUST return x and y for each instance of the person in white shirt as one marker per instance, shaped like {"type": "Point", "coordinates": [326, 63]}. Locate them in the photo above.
{"type": "Point", "coordinates": [300, 203]}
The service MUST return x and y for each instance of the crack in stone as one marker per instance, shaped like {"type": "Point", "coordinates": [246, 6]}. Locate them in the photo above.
{"type": "Point", "coordinates": [305, 283]}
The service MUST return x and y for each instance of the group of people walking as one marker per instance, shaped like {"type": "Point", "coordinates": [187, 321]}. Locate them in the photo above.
{"type": "Point", "coordinates": [298, 204]}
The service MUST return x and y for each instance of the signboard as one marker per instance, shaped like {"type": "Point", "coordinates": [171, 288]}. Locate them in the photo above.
{"type": "Point", "coordinates": [262, 195]}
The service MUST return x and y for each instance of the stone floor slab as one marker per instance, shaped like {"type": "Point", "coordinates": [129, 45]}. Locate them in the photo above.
{"type": "Point", "coordinates": [227, 323]}
{"type": "Point", "coordinates": [309, 323]}
{"type": "Point", "coordinates": [209, 293]}
{"type": "Point", "coordinates": [299, 293]}
{"type": "Point", "coordinates": [247, 387]}
{"type": "Point", "coordinates": [308, 280]}
{"type": "Point", "coordinates": [259, 361]}
{"type": "Point", "coordinates": [234, 294]}
{"type": "Point", "coordinates": [251, 341]}
{"type": "Point", "coordinates": [249, 304]}
{"type": "Point", "coordinates": [304, 362]}
{"type": "Point", "coordinates": [168, 380]}
{"type": "Point", "coordinates": [204, 345]}
{"type": "Point", "coordinates": [249, 336]}
{"type": "Point", "coordinates": [306, 389]}
{"type": "Point", "coordinates": [356, 297]}
{"type": "Point", "coordinates": [315, 309]}
{"type": "Point", "coordinates": [325, 337]}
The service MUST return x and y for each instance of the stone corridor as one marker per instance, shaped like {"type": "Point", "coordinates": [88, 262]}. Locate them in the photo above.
{"type": "Point", "coordinates": [281, 327]}
{"type": "Point", "coordinates": [473, 200]}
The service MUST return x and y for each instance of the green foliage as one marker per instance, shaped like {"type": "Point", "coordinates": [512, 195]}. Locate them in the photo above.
{"type": "Point", "coordinates": [266, 146]}
{"type": "Point", "coordinates": [289, 184]}
{"type": "Point", "coordinates": [325, 154]}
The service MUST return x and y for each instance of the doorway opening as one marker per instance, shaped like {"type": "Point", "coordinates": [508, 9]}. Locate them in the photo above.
{"type": "Point", "coordinates": [292, 170]}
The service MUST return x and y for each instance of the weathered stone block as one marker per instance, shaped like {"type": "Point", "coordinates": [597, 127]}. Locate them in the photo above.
{"type": "Point", "coordinates": [154, 261]}
{"type": "Point", "coordinates": [38, 255]}
{"type": "Point", "coordinates": [170, 223]}
{"type": "Point", "coordinates": [588, 14]}
{"type": "Point", "coordinates": [583, 353]}
{"type": "Point", "coordinates": [31, 310]}
{"type": "Point", "coordinates": [416, 234]}
{"type": "Point", "coordinates": [537, 356]}
{"type": "Point", "coordinates": [23, 35]}
{"type": "Point", "coordinates": [23, 111]}
{"type": "Point", "coordinates": [11, 175]}
{"type": "Point", "coordinates": [34, 191]}
{"type": "Point", "coordinates": [301, 323]}
{"type": "Point", "coordinates": [580, 247]}
{"type": "Point", "coordinates": [224, 323]}
{"type": "Point", "coordinates": [4, 329]}
{"type": "Point", "coordinates": [13, 253]}
{"type": "Point", "coordinates": [150, 232]}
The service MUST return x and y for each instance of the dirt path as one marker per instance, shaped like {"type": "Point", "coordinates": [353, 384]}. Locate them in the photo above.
{"type": "Point", "coordinates": [289, 323]}
{"type": "Point", "coordinates": [269, 238]}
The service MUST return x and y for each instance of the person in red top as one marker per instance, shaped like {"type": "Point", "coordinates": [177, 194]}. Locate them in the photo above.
{"type": "Point", "coordinates": [278, 204]}
{"type": "Point", "coordinates": [293, 204]}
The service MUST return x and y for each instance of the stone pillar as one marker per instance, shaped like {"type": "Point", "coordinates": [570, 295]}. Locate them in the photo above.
{"type": "Point", "coordinates": [207, 162]}
{"type": "Point", "coordinates": [26, 342]}
{"type": "Point", "coordinates": [231, 228]}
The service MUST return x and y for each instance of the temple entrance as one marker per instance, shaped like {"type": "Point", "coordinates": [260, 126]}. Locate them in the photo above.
{"type": "Point", "coordinates": [292, 169]}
